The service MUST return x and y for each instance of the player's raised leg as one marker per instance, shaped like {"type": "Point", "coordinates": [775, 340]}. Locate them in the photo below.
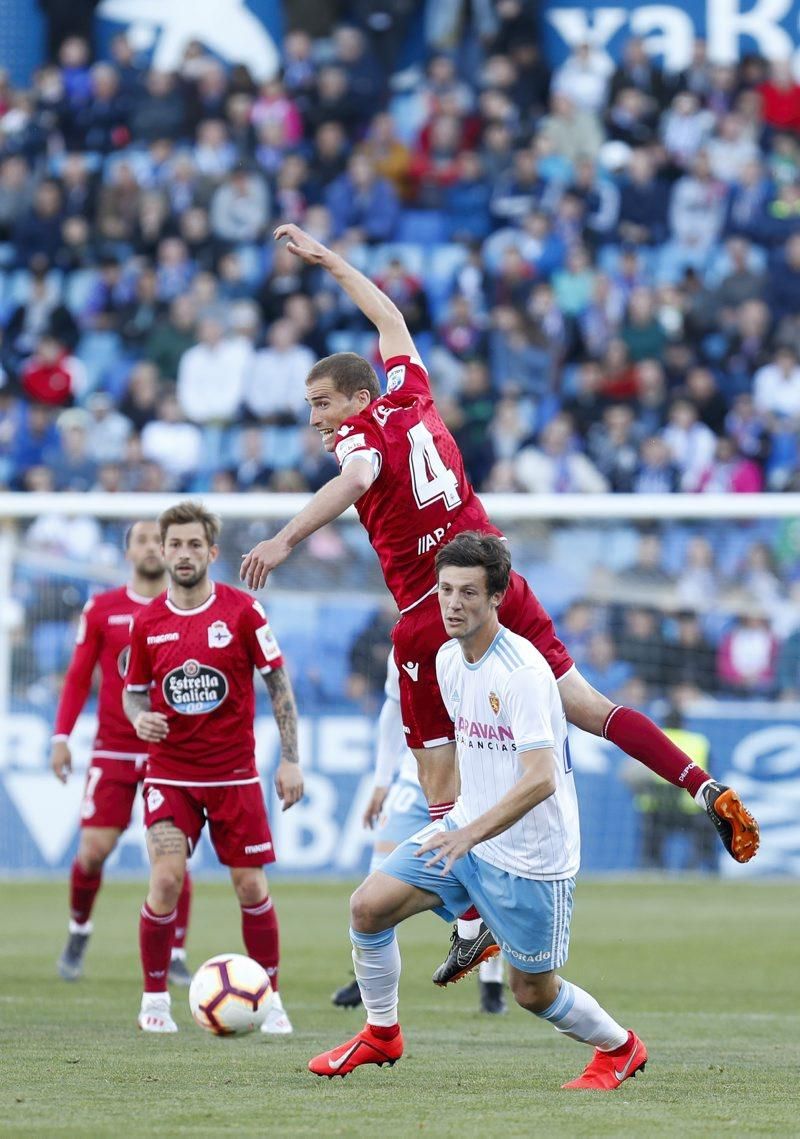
{"type": "Point", "coordinates": [167, 847]}
{"type": "Point", "coordinates": [619, 1053]}
{"type": "Point", "coordinates": [86, 876]}
{"type": "Point", "coordinates": [637, 735]}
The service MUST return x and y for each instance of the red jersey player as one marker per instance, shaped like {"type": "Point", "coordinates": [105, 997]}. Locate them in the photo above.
{"type": "Point", "coordinates": [401, 468]}
{"type": "Point", "coordinates": [118, 758]}
{"type": "Point", "coordinates": [189, 695]}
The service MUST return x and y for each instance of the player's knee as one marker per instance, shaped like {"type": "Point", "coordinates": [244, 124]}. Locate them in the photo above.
{"type": "Point", "coordinates": [367, 914]}
{"type": "Point", "coordinates": [250, 889]}
{"type": "Point", "coordinates": [165, 885]}
{"type": "Point", "coordinates": [533, 991]}
{"type": "Point", "coordinates": [93, 851]}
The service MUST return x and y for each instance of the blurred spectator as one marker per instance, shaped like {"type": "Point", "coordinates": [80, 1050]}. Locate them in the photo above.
{"type": "Point", "coordinates": [51, 375]}
{"type": "Point", "coordinates": [40, 314]}
{"type": "Point", "coordinates": [39, 230]}
{"type": "Point", "coordinates": [107, 429]}
{"type": "Point", "coordinates": [643, 202]}
{"type": "Point", "coordinates": [584, 77]}
{"type": "Point", "coordinates": [367, 659]}
{"type": "Point", "coordinates": [16, 193]}
{"type": "Point", "coordinates": [646, 571]}
{"type": "Point", "coordinates": [788, 668]}
{"type": "Point", "coordinates": [362, 204]}
{"type": "Point", "coordinates": [240, 207]}
{"type": "Point", "coordinates": [555, 467]}
{"type": "Point", "coordinates": [274, 390]}
{"type": "Point", "coordinates": [613, 446]}
{"type": "Point", "coordinates": [689, 657]}
{"type": "Point", "coordinates": [729, 472]}
{"type": "Point", "coordinates": [211, 376]}
{"type": "Point", "coordinates": [656, 473]}
{"type": "Point", "coordinates": [159, 110]}
{"type": "Point", "coordinates": [73, 468]}
{"type": "Point", "coordinates": [776, 386]}
{"type": "Point", "coordinates": [601, 668]}
{"type": "Point", "coordinates": [172, 443]}
{"type": "Point", "coordinates": [407, 293]}
{"type": "Point", "coordinates": [641, 644]}
{"type": "Point", "coordinates": [747, 657]}
{"type": "Point", "coordinates": [698, 583]}
{"type": "Point", "coordinates": [172, 334]}
{"type": "Point", "coordinates": [691, 443]}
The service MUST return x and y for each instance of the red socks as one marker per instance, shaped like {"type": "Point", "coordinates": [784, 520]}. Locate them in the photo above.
{"type": "Point", "coordinates": [639, 738]}
{"type": "Point", "coordinates": [183, 908]}
{"type": "Point", "coordinates": [83, 889]}
{"type": "Point", "coordinates": [439, 810]}
{"type": "Point", "coordinates": [155, 941]}
{"type": "Point", "coordinates": [260, 936]}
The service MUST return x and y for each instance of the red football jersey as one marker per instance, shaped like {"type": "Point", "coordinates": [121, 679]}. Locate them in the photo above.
{"type": "Point", "coordinates": [421, 491]}
{"type": "Point", "coordinates": [104, 637]}
{"type": "Point", "coordinates": [198, 667]}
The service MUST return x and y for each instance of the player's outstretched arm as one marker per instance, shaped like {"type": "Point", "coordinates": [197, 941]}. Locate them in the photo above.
{"type": "Point", "coordinates": [328, 503]}
{"type": "Point", "coordinates": [288, 777]}
{"type": "Point", "coordinates": [395, 339]}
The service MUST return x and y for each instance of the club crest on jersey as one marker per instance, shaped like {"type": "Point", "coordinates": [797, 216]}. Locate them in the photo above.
{"type": "Point", "coordinates": [154, 798]}
{"type": "Point", "coordinates": [219, 635]}
{"type": "Point", "coordinates": [395, 377]}
{"type": "Point", "coordinates": [494, 701]}
{"type": "Point", "coordinates": [194, 689]}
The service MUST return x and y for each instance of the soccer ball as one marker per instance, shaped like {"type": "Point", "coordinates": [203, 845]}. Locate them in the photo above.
{"type": "Point", "coordinates": [230, 994]}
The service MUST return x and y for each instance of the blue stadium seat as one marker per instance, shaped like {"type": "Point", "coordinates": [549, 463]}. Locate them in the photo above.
{"type": "Point", "coordinates": [425, 227]}
{"type": "Point", "coordinates": [282, 447]}
{"type": "Point", "coordinates": [77, 289]}
{"type": "Point", "coordinates": [99, 352]}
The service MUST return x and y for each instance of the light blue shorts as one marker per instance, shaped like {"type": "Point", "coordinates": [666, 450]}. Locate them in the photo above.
{"type": "Point", "coordinates": [405, 811]}
{"type": "Point", "coordinates": [530, 918]}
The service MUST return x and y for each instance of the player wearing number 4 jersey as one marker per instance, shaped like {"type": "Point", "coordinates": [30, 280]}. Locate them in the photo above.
{"type": "Point", "coordinates": [189, 695]}
{"type": "Point", "coordinates": [116, 767]}
{"type": "Point", "coordinates": [401, 468]}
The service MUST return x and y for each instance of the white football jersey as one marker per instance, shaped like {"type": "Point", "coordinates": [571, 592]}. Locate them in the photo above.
{"type": "Point", "coordinates": [506, 703]}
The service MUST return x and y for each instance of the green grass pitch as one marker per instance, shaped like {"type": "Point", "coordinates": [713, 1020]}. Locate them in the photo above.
{"type": "Point", "coordinates": [706, 972]}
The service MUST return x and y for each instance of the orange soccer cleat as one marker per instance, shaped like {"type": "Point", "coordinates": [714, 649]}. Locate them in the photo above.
{"type": "Point", "coordinates": [366, 1048]}
{"type": "Point", "coordinates": [735, 825]}
{"type": "Point", "coordinates": [607, 1070]}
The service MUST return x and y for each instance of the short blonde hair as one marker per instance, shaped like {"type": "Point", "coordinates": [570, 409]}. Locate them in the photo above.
{"type": "Point", "coordinates": [186, 512]}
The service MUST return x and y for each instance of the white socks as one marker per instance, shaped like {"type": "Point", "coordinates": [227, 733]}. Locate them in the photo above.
{"type": "Point", "coordinates": [85, 927]}
{"type": "Point", "coordinates": [491, 971]}
{"type": "Point", "coordinates": [467, 930]}
{"type": "Point", "coordinates": [376, 960]}
{"type": "Point", "coordinates": [577, 1014]}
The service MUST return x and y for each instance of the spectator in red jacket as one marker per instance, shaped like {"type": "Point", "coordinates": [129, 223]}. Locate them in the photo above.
{"type": "Point", "coordinates": [51, 375]}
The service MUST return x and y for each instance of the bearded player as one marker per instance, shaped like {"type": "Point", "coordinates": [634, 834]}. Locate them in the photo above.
{"type": "Point", "coordinates": [116, 768]}
{"type": "Point", "coordinates": [401, 468]}
{"type": "Point", "coordinates": [189, 695]}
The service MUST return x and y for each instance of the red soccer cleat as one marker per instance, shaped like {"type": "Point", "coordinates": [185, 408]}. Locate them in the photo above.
{"type": "Point", "coordinates": [366, 1048]}
{"type": "Point", "coordinates": [607, 1070]}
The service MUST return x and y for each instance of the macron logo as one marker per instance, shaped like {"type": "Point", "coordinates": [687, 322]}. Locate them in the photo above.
{"type": "Point", "coordinates": [160, 638]}
{"type": "Point", "coordinates": [412, 669]}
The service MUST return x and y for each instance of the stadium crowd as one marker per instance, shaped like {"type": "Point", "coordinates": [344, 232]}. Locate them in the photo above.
{"type": "Point", "coordinates": [600, 266]}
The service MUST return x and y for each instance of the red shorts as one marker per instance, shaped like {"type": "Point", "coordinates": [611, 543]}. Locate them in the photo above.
{"type": "Point", "coordinates": [237, 818]}
{"type": "Point", "coordinates": [418, 636]}
{"type": "Point", "coordinates": [111, 787]}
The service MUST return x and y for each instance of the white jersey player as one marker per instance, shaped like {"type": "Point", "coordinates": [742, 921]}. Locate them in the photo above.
{"type": "Point", "coordinates": [398, 808]}
{"type": "Point", "coordinates": [510, 846]}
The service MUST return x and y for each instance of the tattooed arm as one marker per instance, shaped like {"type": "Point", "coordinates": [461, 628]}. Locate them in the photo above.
{"type": "Point", "coordinates": [149, 726]}
{"type": "Point", "coordinates": [288, 777]}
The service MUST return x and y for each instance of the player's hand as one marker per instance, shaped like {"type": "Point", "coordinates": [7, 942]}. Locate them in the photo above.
{"type": "Point", "coordinates": [61, 760]}
{"type": "Point", "coordinates": [374, 807]}
{"type": "Point", "coordinates": [304, 246]}
{"type": "Point", "coordinates": [447, 847]}
{"type": "Point", "coordinates": [261, 561]}
{"type": "Point", "coordinates": [289, 784]}
{"type": "Point", "coordinates": [151, 727]}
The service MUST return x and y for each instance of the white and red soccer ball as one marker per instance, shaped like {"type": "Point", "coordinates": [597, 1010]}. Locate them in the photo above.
{"type": "Point", "coordinates": [230, 994]}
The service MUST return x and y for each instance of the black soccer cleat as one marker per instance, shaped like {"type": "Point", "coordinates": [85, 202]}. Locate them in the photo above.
{"type": "Point", "coordinates": [735, 825]}
{"type": "Point", "coordinates": [465, 955]}
{"type": "Point", "coordinates": [492, 999]}
{"type": "Point", "coordinates": [178, 972]}
{"type": "Point", "coordinates": [70, 963]}
{"type": "Point", "coordinates": [349, 996]}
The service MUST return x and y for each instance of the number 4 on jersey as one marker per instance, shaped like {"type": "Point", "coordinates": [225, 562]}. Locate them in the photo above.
{"type": "Point", "coordinates": [430, 478]}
